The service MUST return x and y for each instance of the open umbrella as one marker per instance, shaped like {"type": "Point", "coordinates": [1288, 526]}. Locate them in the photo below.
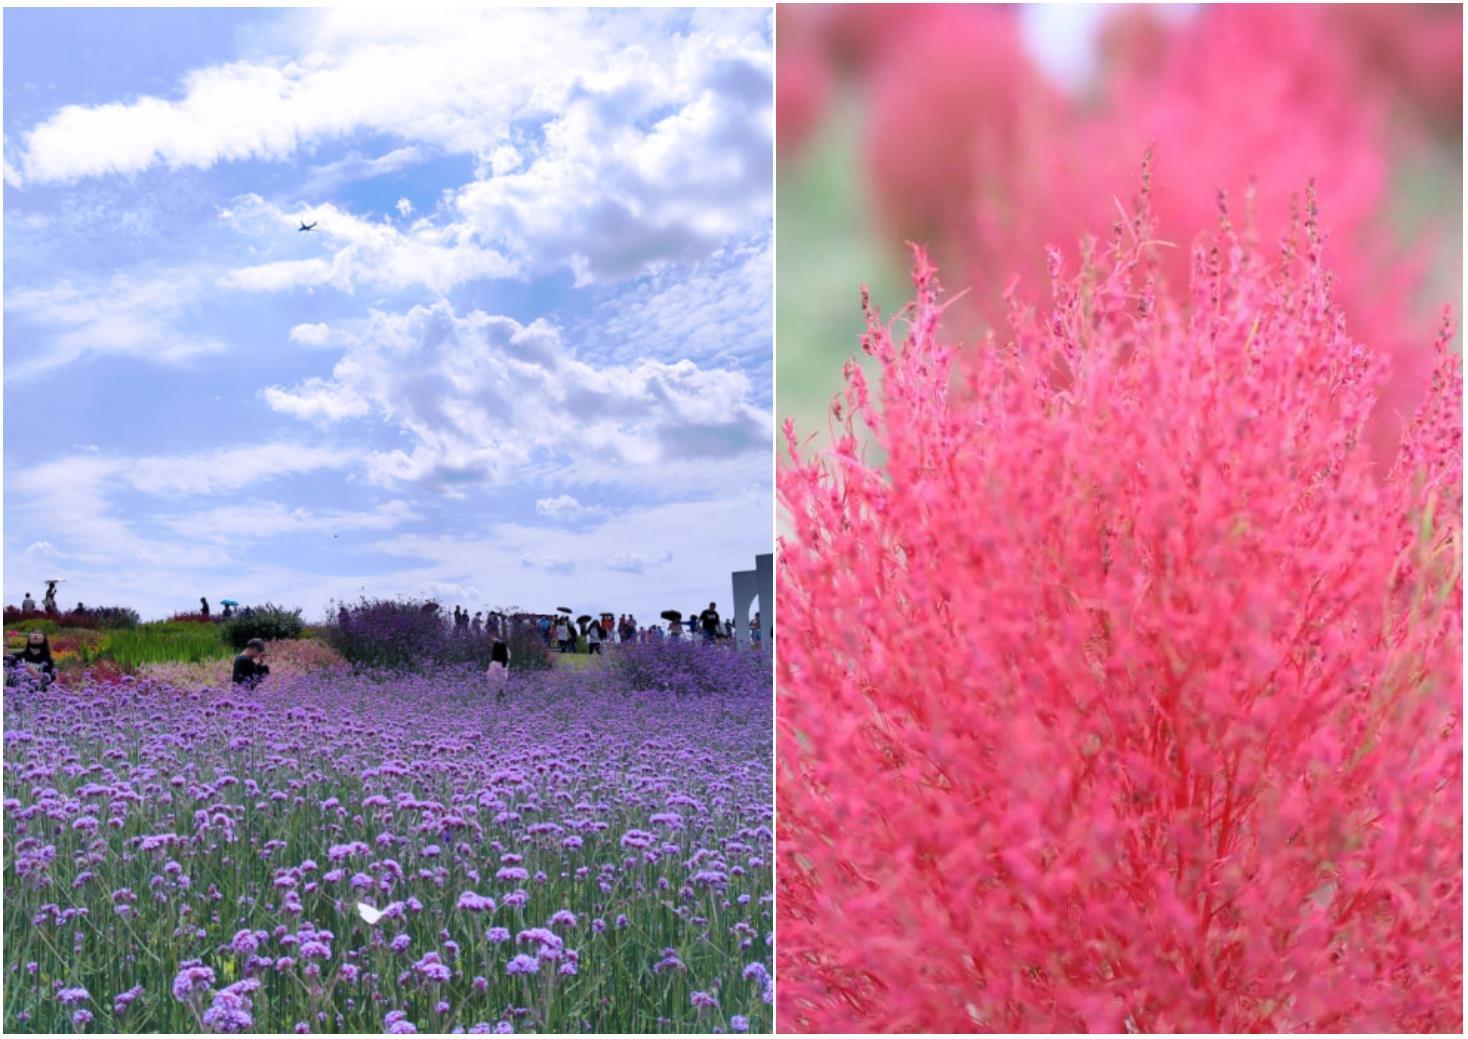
{"type": "Point", "coordinates": [564, 609]}
{"type": "Point", "coordinates": [671, 615]}
{"type": "Point", "coordinates": [228, 602]}
{"type": "Point", "coordinates": [585, 618]}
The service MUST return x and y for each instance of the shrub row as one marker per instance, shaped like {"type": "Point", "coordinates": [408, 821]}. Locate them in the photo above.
{"type": "Point", "coordinates": [414, 635]}
{"type": "Point", "coordinates": [689, 668]}
{"type": "Point", "coordinates": [97, 618]}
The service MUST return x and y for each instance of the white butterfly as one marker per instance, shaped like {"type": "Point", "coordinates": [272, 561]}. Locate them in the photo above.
{"type": "Point", "coordinates": [366, 912]}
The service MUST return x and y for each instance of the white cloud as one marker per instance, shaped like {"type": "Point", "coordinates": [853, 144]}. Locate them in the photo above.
{"type": "Point", "coordinates": [445, 79]}
{"type": "Point", "coordinates": [311, 334]}
{"type": "Point", "coordinates": [613, 144]}
{"type": "Point", "coordinates": [613, 141]}
{"type": "Point", "coordinates": [126, 316]}
{"type": "Point", "coordinates": [504, 159]}
{"type": "Point", "coordinates": [685, 552]}
{"type": "Point", "coordinates": [255, 521]}
{"type": "Point", "coordinates": [228, 469]}
{"type": "Point", "coordinates": [72, 497]}
{"type": "Point", "coordinates": [720, 310]}
{"type": "Point", "coordinates": [75, 498]}
{"type": "Point", "coordinates": [370, 253]}
{"type": "Point", "coordinates": [549, 564]}
{"type": "Point", "coordinates": [563, 507]}
{"type": "Point", "coordinates": [121, 529]}
{"type": "Point", "coordinates": [620, 188]}
{"type": "Point", "coordinates": [317, 399]}
{"type": "Point", "coordinates": [482, 396]}
{"type": "Point", "coordinates": [636, 562]}
{"type": "Point", "coordinates": [449, 77]}
{"type": "Point", "coordinates": [354, 166]}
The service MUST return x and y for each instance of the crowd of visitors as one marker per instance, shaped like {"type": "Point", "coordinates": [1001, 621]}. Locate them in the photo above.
{"type": "Point", "coordinates": [586, 633]}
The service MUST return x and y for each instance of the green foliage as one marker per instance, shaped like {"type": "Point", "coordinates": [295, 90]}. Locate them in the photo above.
{"type": "Point", "coordinates": [158, 643]}
{"type": "Point", "coordinates": [268, 622]}
{"type": "Point", "coordinates": [32, 623]}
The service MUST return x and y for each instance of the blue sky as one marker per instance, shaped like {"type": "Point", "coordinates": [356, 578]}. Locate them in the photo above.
{"type": "Point", "coordinates": [524, 359]}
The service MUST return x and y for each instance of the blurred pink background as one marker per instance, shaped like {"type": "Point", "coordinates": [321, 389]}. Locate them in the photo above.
{"type": "Point", "coordinates": [990, 132]}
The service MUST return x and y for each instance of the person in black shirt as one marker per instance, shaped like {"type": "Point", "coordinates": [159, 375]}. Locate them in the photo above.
{"type": "Point", "coordinates": [36, 657]}
{"type": "Point", "coordinates": [204, 606]}
{"type": "Point", "coordinates": [709, 619]}
{"type": "Point", "coordinates": [248, 670]}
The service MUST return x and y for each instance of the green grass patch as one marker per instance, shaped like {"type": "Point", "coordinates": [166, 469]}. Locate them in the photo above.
{"type": "Point", "coordinates": [161, 643]}
{"type": "Point", "coordinates": [579, 661]}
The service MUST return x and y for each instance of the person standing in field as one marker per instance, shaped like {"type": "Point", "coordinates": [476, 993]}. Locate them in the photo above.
{"type": "Point", "coordinates": [563, 635]}
{"type": "Point", "coordinates": [709, 619]}
{"type": "Point", "coordinates": [28, 604]}
{"type": "Point", "coordinates": [594, 635]}
{"type": "Point", "coordinates": [499, 668]}
{"type": "Point", "coordinates": [248, 671]}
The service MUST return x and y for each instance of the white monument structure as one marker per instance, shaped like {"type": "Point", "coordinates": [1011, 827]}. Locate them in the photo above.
{"type": "Point", "coordinates": [750, 586]}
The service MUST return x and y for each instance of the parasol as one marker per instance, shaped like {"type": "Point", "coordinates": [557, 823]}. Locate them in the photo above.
{"type": "Point", "coordinates": [564, 609]}
{"type": "Point", "coordinates": [585, 618]}
{"type": "Point", "coordinates": [228, 602]}
{"type": "Point", "coordinates": [671, 615]}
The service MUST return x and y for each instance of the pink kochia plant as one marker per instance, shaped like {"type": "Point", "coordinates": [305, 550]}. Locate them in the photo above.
{"type": "Point", "coordinates": [1121, 695]}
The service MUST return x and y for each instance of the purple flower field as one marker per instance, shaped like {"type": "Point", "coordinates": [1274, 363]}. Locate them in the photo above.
{"type": "Point", "coordinates": [363, 853]}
